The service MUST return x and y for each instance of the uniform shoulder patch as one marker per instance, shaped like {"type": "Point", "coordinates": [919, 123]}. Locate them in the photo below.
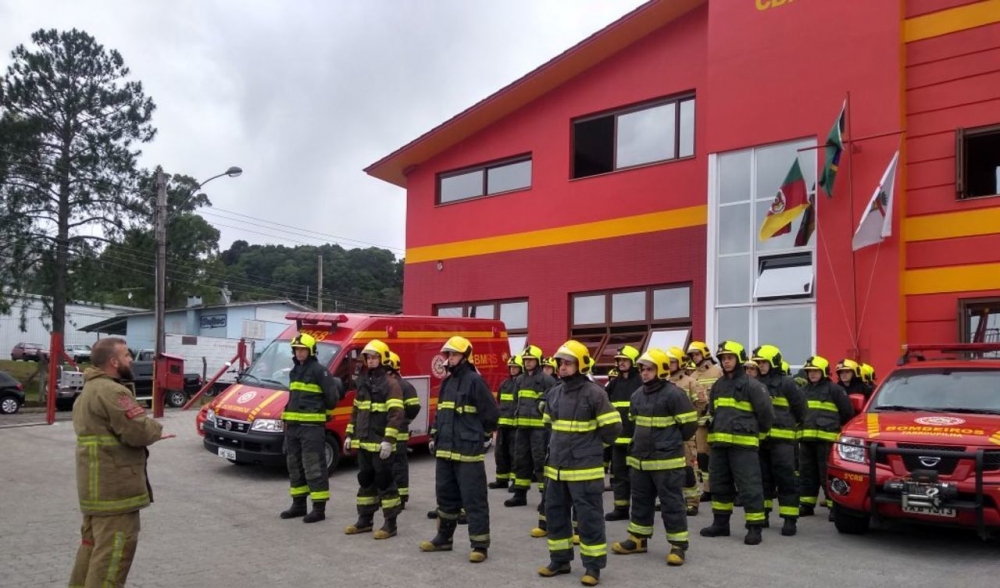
{"type": "Point", "coordinates": [130, 406]}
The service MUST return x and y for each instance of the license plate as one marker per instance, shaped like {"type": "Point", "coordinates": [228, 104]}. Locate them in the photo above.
{"type": "Point", "coordinates": [926, 510]}
{"type": "Point", "coordinates": [227, 453]}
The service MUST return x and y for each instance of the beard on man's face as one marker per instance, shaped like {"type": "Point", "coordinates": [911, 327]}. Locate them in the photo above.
{"type": "Point", "coordinates": [125, 373]}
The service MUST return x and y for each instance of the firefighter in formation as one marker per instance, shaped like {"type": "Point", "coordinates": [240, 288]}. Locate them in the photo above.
{"type": "Point", "coordinates": [699, 398]}
{"type": "Point", "coordinates": [411, 408]}
{"type": "Point", "coordinates": [620, 389]}
{"type": "Point", "coordinates": [529, 446]}
{"type": "Point", "coordinates": [705, 373]}
{"type": "Point", "coordinates": [828, 409]}
{"type": "Point", "coordinates": [506, 432]}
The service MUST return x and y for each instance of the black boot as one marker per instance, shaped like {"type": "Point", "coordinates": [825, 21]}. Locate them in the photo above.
{"type": "Point", "coordinates": [620, 513]}
{"type": "Point", "coordinates": [753, 535]}
{"type": "Point", "coordinates": [520, 498]}
{"type": "Point", "coordinates": [364, 525]}
{"type": "Point", "coordinates": [432, 514]}
{"type": "Point", "coordinates": [442, 541]}
{"type": "Point", "coordinates": [388, 529]}
{"type": "Point", "coordinates": [318, 513]}
{"type": "Point", "coordinates": [788, 529]}
{"type": "Point", "coordinates": [298, 508]}
{"type": "Point", "coordinates": [807, 510]}
{"type": "Point", "coordinates": [498, 485]}
{"type": "Point", "coordinates": [718, 528]}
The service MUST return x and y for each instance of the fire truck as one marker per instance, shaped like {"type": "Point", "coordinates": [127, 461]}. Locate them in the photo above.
{"type": "Point", "coordinates": [243, 424]}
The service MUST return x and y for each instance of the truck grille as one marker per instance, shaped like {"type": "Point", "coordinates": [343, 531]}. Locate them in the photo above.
{"type": "Point", "coordinates": [945, 465]}
{"type": "Point", "coordinates": [232, 425]}
{"type": "Point", "coordinates": [991, 461]}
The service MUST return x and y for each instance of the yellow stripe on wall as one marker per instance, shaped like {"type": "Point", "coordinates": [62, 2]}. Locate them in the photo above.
{"type": "Point", "coordinates": [956, 278]}
{"type": "Point", "coordinates": [951, 225]}
{"type": "Point", "coordinates": [952, 20]}
{"type": "Point", "coordinates": [666, 220]}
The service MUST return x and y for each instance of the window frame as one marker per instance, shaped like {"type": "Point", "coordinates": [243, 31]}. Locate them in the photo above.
{"type": "Point", "coordinates": [614, 113]}
{"type": "Point", "coordinates": [961, 169]}
{"type": "Point", "coordinates": [762, 261]}
{"type": "Point", "coordinates": [484, 168]}
{"type": "Point", "coordinates": [965, 308]}
{"type": "Point", "coordinates": [467, 308]}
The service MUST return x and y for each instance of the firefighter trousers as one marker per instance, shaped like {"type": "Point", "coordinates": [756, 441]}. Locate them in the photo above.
{"type": "Point", "coordinates": [812, 470]}
{"type": "Point", "coordinates": [668, 486]}
{"type": "Point", "coordinates": [529, 456]}
{"type": "Point", "coordinates": [305, 450]}
{"type": "Point", "coordinates": [620, 482]}
{"type": "Point", "coordinates": [460, 485]}
{"type": "Point", "coordinates": [107, 546]}
{"type": "Point", "coordinates": [401, 470]}
{"type": "Point", "coordinates": [377, 488]}
{"type": "Point", "coordinates": [692, 492]}
{"type": "Point", "coordinates": [588, 499]}
{"type": "Point", "coordinates": [503, 453]}
{"type": "Point", "coordinates": [777, 473]}
{"type": "Point", "coordinates": [737, 467]}
{"type": "Point", "coordinates": [703, 455]}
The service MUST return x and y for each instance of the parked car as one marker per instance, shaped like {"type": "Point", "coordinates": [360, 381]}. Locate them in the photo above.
{"type": "Point", "coordinates": [28, 352]}
{"type": "Point", "coordinates": [11, 394]}
{"type": "Point", "coordinates": [79, 353]}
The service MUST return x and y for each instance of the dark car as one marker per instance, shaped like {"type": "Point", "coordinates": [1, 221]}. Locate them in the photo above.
{"type": "Point", "coordinates": [11, 394]}
{"type": "Point", "coordinates": [28, 352]}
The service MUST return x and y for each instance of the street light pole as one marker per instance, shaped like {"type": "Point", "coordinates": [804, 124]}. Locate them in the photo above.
{"type": "Point", "coordinates": [160, 234]}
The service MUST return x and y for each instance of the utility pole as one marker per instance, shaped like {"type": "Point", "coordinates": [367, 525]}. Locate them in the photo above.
{"type": "Point", "coordinates": [161, 286]}
{"type": "Point", "coordinates": [319, 285]}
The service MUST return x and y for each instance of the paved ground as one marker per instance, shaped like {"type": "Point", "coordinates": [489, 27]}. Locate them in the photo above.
{"type": "Point", "coordinates": [216, 524]}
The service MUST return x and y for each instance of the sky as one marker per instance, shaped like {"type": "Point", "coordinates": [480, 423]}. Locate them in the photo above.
{"type": "Point", "coordinates": [304, 94]}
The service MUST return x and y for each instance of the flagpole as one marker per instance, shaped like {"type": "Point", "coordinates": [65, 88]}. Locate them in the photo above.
{"type": "Point", "coordinates": [856, 353]}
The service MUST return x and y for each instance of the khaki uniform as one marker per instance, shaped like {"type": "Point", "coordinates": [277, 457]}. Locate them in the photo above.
{"type": "Point", "coordinates": [112, 435]}
{"type": "Point", "coordinates": [699, 398]}
{"type": "Point", "coordinates": [706, 375]}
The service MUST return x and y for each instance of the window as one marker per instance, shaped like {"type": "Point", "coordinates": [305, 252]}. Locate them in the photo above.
{"type": "Point", "coordinates": [486, 180]}
{"type": "Point", "coordinates": [655, 316]}
{"type": "Point", "coordinates": [979, 320]}
{"type": "Point", "coordinates": [513, 313]}
{"type": "Point", "coordinates": [977, 162]}
{"type": "Point", "coordinates": [661, 131]}
{"type": "Point", "coordinates": [760, 292]}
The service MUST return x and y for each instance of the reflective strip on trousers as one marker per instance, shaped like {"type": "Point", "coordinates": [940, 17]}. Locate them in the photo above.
{"type": "Point", "coordinates": [788, 511]}
{"type": "Point", "coordinates": [320, 495]}
{"type": "Point", "coordinates": [722, 506]}
{"type": "Point", "coordinates": [560, 544]}
{"type": "Point", "coordinates": [681, 537]}
{"type": "Point", "coordinates": [367, 500]}
{"type": "Point", "coordinates": [299, 491]}
{"type": "Point", "coordinates": [655, 464]}
{"type": "Point", "coordinates": [639, 530]}
{"type": "Point", "coordinates": [755, 517]}
{"type": "Point", "coordinates": [808, 500]}
{"type": "Point", "coordinates": [593, 550]}
{"type": "Point", "coordinates": [455, 456]}
{"type": "Point", "coordinates": [745, 440]}
{"type": "Point", "coordinates": [623, 440]}
{"type": "Point", "coordinates": [574, 475]}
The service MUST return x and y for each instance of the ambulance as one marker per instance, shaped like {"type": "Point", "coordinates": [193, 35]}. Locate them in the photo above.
{"type": "Point", "coordinates": [243, 424]}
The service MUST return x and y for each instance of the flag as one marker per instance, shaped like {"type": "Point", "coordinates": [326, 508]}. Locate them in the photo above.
{"type": "Point", "coordinates": [788, 203]}
{"type": "Point", "coordinates": [808, 226]}
{"type": "Point", "coordinates": [834, 148]}
{"type": "Point", "coordinates": [876, 222]}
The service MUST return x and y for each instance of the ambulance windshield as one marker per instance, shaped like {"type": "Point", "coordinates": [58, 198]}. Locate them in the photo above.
{"type": "Point", "coordinates": [944, 390]}
{"type": "Point", "coordinates": [275, 363]}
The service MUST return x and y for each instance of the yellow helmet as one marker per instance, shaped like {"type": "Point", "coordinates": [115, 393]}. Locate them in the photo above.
{"type": "Point", "coordinates": [701, 348]}
{"type": "Point", "coordinates": [689, 365]}
{"type": "Point", "coordinates": [457, 345]}
{"type": "Point", "coordinates": [532, 352]}
{"type": "Point", "coordinates": [656, 358]}
{"type": "Point", "coordinates": [627, 352]}
{"type": "Point", "coordinates": [378, 349]}
{"type": "Point", "coordinates": [849, 365]}
{"type": "Point", "coordinates": [768, 353]}
{"type": "Point", "coordinates": [751, 364]}
{"type": "Point", "coordinates": [393, 363]}
{"type": "Point", "coordinates": [575, 351]}
{"type": "Point", "coordinates": [613, 373]}
{"type": "Point", "coordinates": [818, 363]}
{"type": "Point", "coordinates": [732, 348]}
{"type": "Point", "coordinates": [867, 374]}
{"type": "Point", "coordinates": [515, 361]}
{"type": "Point", "coordinates": [305, 341]}
{"type": "Point", "coordinates": [785, 368]}
{"type": "Point", "coordinates": [551, 362]}
{"type": "Point", "coordinates": [678, 354]}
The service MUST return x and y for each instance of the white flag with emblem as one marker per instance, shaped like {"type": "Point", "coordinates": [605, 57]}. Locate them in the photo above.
{"type": "Point", "coordinates": [876, 222]}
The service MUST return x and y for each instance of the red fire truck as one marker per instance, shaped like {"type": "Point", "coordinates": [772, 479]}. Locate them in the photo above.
{"type": "Point", "coordinates": [243, 424]}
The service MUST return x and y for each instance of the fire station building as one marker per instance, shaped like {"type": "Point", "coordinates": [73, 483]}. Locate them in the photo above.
{"type": "Point", "coordinates": [614, 194]}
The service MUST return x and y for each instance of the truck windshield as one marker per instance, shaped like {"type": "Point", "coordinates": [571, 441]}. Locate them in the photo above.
{"type": "Point", "coordinates": [951, 390]}
{"type": "Point", "coordinates": [275, 363]}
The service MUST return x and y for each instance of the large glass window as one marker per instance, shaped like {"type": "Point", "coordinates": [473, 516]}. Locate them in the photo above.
{"type": "Point", "coordinates": [484, 180]}
{"type": "Point", "coordinates": [513, 313]}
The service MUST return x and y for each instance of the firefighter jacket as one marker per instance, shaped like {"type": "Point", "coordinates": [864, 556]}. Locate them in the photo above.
{"type": "Point", "coordinates": [507, 396]}
{"type": "Point", "coordinates": [466, 414]}
{"type": "Point", "coordinates": [582, 421]}
{"type": "Point", "coordinates": [857, 387]}
{"type": "Point", "coordinates": [312, 393]}
{"type": "Point", "coordinates": [828, 409]}
{"type": "Point", "coordinates": [411, 407]}
{"type": "Point", "coordinates": [740, 408]}
{"type": "Point", "coordinates": [377, 414]}
{"type": "Point", "coordinates": [706, 375]}
{"type": "Point", "coordinates": [620, 392]}
{"type": "Point", "coordinates": [695, 391]}
{"type": "Point", "coordinates": [112, 433]}
{"type": "Point", "coordinates": [664, 418]}
{"type": "Point", "coordinates": [530, 397]}
{"type": "Point", "coordinates": [789, 406]}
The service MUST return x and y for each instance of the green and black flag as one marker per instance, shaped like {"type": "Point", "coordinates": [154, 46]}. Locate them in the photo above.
{"type": "Point", "coordinates": [834, 149]}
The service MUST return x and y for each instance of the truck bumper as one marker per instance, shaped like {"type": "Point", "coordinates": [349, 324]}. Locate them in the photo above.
{"type": "Point", "coordinates": [258, 448]}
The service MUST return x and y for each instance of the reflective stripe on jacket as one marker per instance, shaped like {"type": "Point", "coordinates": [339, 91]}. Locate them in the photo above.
{"type": "Point", "coordinates": [664, 418]}
{"type": "Point", "coordinates": [466, 413]}
{"type": "Point", "coordinates": [507, 397]}
{"type": "Point", "coordinates": [582, 421]}
{"type": "Point", "coordinates": [706, 375]}
{"type": "Point", "coordinates": [620, 391]}
{"type": "Point", "coordinates": [312, 393]}
{"type": "Point", "coordinates": [741, 410]}
{"type": "Point", "coordinates": [532, 387]}
{"type": "Point", "coordinates": [828, 409]}
{"type": "Point", "coordinates": [377, 414]}
{"type": "Point", "coordinates": [789, 407]}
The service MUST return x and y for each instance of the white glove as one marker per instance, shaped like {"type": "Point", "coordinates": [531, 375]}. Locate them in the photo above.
{"type": "Point", "coordinates": [430, 446]}
{"type": "Point", "coordinates": [385, 450]}
{"type": "Point", "coordinates": [347, 444]}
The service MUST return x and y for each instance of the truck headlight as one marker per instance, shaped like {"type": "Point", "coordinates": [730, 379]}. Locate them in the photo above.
{"type": "Point", "coordinates": [268, 425]}
{"type": "Point", "coordinates": [852, 449]}
{"type": "Point", "coordinates": [210, 416]}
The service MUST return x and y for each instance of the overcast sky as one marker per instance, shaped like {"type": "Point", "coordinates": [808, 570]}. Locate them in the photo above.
{"type": "Point", "coordinates": [304, 94]}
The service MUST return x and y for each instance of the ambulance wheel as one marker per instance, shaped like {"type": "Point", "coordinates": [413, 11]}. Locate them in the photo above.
{"type": "Point", "coordinates": [332, 453]}
{"type": "Point", "coordinates": [850, 523]}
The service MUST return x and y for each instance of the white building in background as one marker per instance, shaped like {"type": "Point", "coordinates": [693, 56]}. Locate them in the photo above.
{"type": "Point", "coordinates": [37, 325]}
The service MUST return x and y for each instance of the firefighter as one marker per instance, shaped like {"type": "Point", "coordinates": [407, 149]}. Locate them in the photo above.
{"type": "Point", "coordinates": [750, 367]}
{"type": "Point", "coordinates": [689, 367]}
{"type": "Point", "coordinates": [777, 450]}
{"type": "Point", "coordinates": [376, 419]}
{"type": "Point", "coordinates": [549, 366]}
{"type": "Point", "coordinates": [113, 434]}
{"type": "Point", "coordinates": [828, 410]}
{"type": "Point", "coordinates": [665, 419]}
{"type": "Point", "coordinates": [312, 395]}
{"type": "Point", "coordinates": [582, 421]}
{"type": "Point", "coordinates": [705, 373]}
{"type": "Point", "coordinates": [868, 377]}
{"type": "Point", "coordinates": [740, 410]}
{"type": "Point", "coordinates": [620, 392]}
{"type": "Point", "coordinates": [466, 411]}
{"type": "Point", "coordinates": [850, 378]}
{"type": "Point", "coordinates": [699, 398]}
{"type": "Point", "coordinates": [529, 448]}
{"type": "Point", "coordinates": [504, 451]}
{"type": "Point", "coordinates": [411, 408]}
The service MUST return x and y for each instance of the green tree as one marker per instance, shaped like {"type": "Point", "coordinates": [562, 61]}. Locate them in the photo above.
{"type": "Point", "coordinates": [77, 188]}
